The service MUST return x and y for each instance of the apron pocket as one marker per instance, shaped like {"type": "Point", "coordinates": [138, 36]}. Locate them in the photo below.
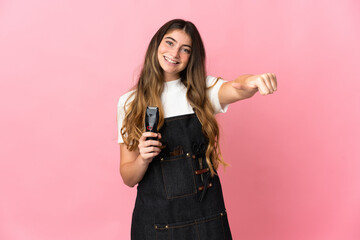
{"type": "Point", "coordinates": [215, 228]}
{"type": "Point", "coordinates": [178, 176]}
{"type": "Point", "coordinates": [179, 233]}
{"type": "Point", "coordinates": [210, 228]}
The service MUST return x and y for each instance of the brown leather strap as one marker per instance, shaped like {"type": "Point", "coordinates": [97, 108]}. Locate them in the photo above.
{"type": "Point", "coordinates": [202, 187]}
{"type": "Point", "coordinates": [201, 171]}
{"type": "Point", "coordinates": [177, 151]}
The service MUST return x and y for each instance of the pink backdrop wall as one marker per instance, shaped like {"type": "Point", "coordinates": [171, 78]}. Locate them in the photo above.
{"type": "Point", "coordinates": [294, 155]}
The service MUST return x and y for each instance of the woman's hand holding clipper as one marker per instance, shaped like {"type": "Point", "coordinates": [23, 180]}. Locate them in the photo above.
{"type": "Point", "coordinates": [149, 149]}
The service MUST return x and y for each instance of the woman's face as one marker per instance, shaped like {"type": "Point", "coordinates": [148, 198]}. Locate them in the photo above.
{"type": "Point", "coordinates": [174, 53]}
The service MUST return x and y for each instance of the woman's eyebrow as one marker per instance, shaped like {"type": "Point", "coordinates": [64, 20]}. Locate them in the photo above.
{"type": "Point", "coordinates": [176, 42]}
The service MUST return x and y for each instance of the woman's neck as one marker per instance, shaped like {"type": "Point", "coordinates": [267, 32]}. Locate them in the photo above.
{"type": "Point", "coordinates": [171, 77]}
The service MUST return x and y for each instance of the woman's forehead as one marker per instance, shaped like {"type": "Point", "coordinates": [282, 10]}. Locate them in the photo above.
{"type": "Point", "coordinates": [179, 35]}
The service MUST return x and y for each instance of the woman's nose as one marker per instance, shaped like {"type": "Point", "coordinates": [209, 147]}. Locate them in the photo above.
{"type": "Point", "coordinates": [175, 52]}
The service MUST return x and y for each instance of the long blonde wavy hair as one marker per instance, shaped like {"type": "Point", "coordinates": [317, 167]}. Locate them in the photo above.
{"type": "Point", "coordinates": [151, 84]}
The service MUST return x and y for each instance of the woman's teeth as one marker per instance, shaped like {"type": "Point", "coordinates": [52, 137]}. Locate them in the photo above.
{"type": "Point", "coordinates": [169, 60]}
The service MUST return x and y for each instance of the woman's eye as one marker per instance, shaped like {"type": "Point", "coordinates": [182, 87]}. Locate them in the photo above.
{"type": "Point", "coordinates": [187, 50]}
{"type": "Point", "coordinates": [169, 43]}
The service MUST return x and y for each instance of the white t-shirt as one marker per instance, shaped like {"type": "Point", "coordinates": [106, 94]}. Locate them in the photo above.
{"type": "Point", "coordinates": [173, 99]}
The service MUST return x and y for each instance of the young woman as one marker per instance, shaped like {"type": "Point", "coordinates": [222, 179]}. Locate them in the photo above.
{"type": "Point", "coordinates": [179, 192]}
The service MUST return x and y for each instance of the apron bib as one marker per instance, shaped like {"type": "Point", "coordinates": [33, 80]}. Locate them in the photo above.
{"type": "Point", "coordinates": [177, 198]}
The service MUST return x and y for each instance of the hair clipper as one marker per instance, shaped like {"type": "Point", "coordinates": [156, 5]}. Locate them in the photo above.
{"type": "Point", "coordinates": [151, 121]}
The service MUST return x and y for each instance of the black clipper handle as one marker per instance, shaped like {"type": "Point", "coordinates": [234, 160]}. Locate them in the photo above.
{"type": "Point", "coordinates": [151, 121]}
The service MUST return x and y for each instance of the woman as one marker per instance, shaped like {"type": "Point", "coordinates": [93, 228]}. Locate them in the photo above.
{"type": "Point", "coordinates": [179, 192]}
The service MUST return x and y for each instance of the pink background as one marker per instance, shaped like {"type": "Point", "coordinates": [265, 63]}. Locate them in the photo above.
{"type": "Point", "coordinates": [294, 155]}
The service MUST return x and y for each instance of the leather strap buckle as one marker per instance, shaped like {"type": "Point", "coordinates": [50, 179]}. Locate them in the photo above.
{"type": "Point", "coordinates": [201, 171]}
{"type": "Point", "coordinates": [202, 187]}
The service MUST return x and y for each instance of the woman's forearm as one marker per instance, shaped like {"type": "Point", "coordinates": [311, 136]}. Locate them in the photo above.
{"type": "Point", "coordinates": [133, 164]}
{"type": "Point", "coordinates": [133, 171]}
{"type": "Point", "coordinates": [246, 86]}
{"type": "Point", "coordinates": [228, 94]}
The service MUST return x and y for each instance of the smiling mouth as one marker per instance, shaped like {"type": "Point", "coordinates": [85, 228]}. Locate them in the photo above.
{"type": "Point", "coordinates": [170, 60]}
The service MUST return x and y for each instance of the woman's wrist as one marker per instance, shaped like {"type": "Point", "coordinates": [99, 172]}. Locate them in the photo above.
{"type": "Point", "coordinates": [143, 162]}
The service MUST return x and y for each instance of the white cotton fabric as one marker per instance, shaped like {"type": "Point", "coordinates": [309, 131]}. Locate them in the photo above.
{"type": "Point", "coordinates": [174, 100]}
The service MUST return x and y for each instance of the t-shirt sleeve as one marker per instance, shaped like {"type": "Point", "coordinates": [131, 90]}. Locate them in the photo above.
{"type": "Point", "coordinates": [213, 93]}
{"type": "Point", "coordinates": [121, 112]}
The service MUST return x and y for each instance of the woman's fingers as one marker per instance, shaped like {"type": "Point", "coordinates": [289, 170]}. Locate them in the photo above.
{"type": "Point", "coordinates": [146, 135]}
{"type": "Point", "coordinates": [267, 83]}
{"type": "Point", "coordinates": [149, 148]}
{"type": "Point", "coordinates": [262, 86]}
{"type": "Point", "coordinates": [152, 143]}
{"type": "Point", "coordinates": [267, 79]}
{"type": "Point", "coordinates": [148, 153]}
{"type": "Point", "coordinates": [145, 143]}
{"type": "Point", "coordinates": [146, 150]}
{"type": "Point", "coordinates": [273, 81]}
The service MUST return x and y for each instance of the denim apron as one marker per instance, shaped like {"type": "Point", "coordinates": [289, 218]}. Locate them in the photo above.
{"type": "Point", "coordinates": [177, 198]}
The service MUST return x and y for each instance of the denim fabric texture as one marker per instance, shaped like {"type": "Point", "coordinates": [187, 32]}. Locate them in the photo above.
{"type": "Point", "coordinates": [173, 201]}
